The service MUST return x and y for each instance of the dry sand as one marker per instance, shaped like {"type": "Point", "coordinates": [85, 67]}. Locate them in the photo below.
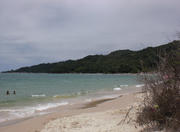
{"type": "Point", "coordinates": [106, 115]}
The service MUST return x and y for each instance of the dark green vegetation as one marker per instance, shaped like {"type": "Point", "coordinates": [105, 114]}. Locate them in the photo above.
{"type": "Point", "coordinates": [121, 61]}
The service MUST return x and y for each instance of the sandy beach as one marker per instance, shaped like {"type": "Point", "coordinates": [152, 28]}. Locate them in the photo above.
{"type": "Point", "coordinates": [104, 115]}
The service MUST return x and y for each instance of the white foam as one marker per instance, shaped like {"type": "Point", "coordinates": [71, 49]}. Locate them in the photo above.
{"type": "Point", "coordinates": [20, 113]}
{"type": "Point", "coordinates": [117, 89]}
{"type": "Point", "coordinates": [123, 85]}
{"type": "Point", "coordinates": [139, 85]}
{"type": "Point", "coordinates": [88, 100]}
{"type": "Point", "coordinates": [79, 93]}
{"type": "Point", "coordinates": [39, 95]}
{"type": "Point", "coordinates": [17, 113]}
{"type": "Point", "coordinates": [109, 96]}
{"type": "Point", "coordinates": [55, 96]}
{"type": "Point", "coordinates": [50, 105]}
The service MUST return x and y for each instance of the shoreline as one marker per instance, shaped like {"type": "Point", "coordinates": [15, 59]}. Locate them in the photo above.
{"type": "Point", "coordinates": [76, 103]}
{"type": "Point", "coordinates": [37, 123]}
{"type": "Point", "coordinates": [21, 112]}
{"type": "Point", "coordinates": [139, 73]}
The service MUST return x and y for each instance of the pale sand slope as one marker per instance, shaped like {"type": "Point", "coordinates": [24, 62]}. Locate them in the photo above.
{"type": "Point", "coordinates": [101, 116]}
{"type": "Point", "coordinates": [106, 121]}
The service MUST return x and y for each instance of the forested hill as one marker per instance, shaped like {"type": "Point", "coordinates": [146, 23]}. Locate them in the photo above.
{"type": "Point", "coordinates": [121, 61]}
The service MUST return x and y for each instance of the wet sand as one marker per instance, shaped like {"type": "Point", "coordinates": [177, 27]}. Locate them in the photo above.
{"type": "Point", "coordinates": [98, 115]}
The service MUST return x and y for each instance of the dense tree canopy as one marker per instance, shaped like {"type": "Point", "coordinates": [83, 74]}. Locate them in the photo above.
{"type": "Point", "coordinates": [121, 61]}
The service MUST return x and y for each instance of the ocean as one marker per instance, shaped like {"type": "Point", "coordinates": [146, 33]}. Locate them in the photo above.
{"type": "Point", "coordinates": [38, 92]}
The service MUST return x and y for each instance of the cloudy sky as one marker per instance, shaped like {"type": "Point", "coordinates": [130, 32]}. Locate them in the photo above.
{"type": "Point", "coordinates": [37, 31]}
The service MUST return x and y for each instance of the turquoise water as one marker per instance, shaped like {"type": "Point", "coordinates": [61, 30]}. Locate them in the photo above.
{"type": "Point", "coordinates": [41, 91]}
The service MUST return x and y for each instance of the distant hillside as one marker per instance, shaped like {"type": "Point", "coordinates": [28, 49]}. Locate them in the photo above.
{"type": "Point", "coordinates": [121, 61]}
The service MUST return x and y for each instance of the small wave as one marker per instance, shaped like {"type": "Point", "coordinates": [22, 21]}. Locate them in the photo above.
{"type": "Point", "coordinates": [88, 100]}
{"type": "Point", "coordinates": [139, 85]}
{"type": "Point", "coordinates": [10, 114]}
{"type": "Point", "coordinates": [39, 95]}
{"type": "Point", "coordinates": [117, 89]}
{"type": "Point", "coordinates": [17, 113]}
{"type": "Point", "coordinates": [49, 105]}
{"type": "Point", "coordinates": [71, 95]}
{"type": "Point", "coordinates": [108, 96]}
{"type": "Point", "coordinates": [123, 85]}
{"type": "Point", "coordinates": [63, 96]}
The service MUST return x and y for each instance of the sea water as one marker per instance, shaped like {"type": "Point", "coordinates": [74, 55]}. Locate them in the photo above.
{"type": "Point", "coordinates": [38, 92]}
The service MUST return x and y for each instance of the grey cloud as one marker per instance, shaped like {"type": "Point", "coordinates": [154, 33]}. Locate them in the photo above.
{"type": "Point", "coordinates": [34, 31]}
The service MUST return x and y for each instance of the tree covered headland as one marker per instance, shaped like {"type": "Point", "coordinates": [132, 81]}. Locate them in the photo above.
{"type": "Point", "coordinates": [121, 61]}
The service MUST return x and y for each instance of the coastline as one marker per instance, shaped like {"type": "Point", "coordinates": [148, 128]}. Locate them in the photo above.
{"type": "Point", "coordinates": [95, 107]}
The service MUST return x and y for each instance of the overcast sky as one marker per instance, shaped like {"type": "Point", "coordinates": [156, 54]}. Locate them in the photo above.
{"type": "Point", "coordinates": [37, 31]}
